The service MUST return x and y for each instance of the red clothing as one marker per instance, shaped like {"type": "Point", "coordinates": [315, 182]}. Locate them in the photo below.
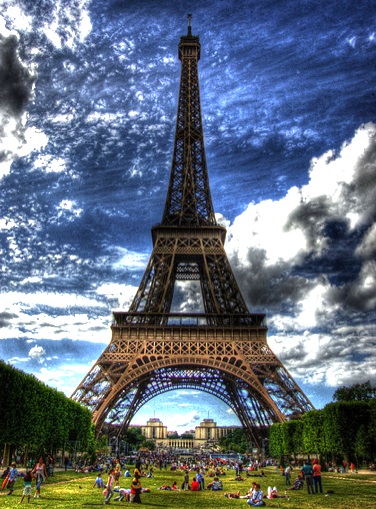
{"type": "Point", "coordinates": [316, 469]}
{"type": "Point", "coordinates": [195, 486]}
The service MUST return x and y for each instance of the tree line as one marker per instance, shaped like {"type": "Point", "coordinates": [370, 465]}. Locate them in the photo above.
{"type": "Point", "coordinates": [343, 429]}
{"type": "Point", "coordinates": [39, 419]}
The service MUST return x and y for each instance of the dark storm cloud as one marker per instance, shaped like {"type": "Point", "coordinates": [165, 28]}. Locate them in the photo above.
{"type": "Point", "coordinates": [5, 318]}
{"type": "Point", "coordinates": [311, 217]}
{"type": "Point", "coordinates": [269, 287]}
{"type": "Point", "coordinates": [16, 80]}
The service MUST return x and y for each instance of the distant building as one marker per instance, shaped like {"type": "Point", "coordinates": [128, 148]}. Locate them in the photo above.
{"type": "Point", "coordinates": [154, 430]}
{"type": "Point", "coordinates": [205, 436]}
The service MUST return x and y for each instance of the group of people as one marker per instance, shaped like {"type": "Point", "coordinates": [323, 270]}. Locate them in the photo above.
{"type": "Point", "coordinates": [131, 494]}
{"type": "Point", "coordinates": [255, 495]}
{"type": "Point", "coordinates": [312, 476]}
{"type": "Point", "coordinates": [309, 474]}
{"type": "Point", "coordinates": [39, 473]}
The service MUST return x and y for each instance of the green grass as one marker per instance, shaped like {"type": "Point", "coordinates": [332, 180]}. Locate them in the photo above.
{"type": "Point", "coordinates": [71, 490]}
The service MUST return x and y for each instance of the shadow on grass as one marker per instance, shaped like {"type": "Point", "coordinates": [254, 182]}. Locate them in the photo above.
{"type": "Point", "coordinates": [51, 498]}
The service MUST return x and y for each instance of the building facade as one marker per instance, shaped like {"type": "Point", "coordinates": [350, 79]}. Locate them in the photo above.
{"type": "Point", "coordinates": [205, 436]}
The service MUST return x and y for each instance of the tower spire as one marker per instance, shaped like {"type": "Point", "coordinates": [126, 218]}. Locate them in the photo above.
{"type": "Point", "coordinates": [189, 24]}
{"type": "Point", "coordinates": [188, 199]}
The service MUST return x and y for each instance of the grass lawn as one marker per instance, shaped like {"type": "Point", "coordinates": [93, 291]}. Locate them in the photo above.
{"type": "Point", "coordinates": [70, 490]}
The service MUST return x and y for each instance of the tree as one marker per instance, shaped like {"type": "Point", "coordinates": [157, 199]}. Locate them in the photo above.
{"type": "Point", "coordinates": [275, 440]}
{"type": "Point", "coordinates": [314, 436]}
{"type": "Point", "coordinates": [47, 415]}
{"type": "Point", "coordinates": [357, 392]}
{"type": "Point", "coordinates": [187, 435]}
{"type": "Point", "coordinates": [235, 441]}
{"type": "Point", "coordinates": [134, 438]}
{"type": "Point", "coordinates": [342, 421]}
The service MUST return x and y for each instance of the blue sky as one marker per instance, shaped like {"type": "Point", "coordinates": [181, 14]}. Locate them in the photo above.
{"type": "Point", "coordinates": [88, 106]}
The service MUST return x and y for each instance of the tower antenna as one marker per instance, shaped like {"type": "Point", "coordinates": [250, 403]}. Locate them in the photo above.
{"type": "Point", "coordinates": [189, 24]}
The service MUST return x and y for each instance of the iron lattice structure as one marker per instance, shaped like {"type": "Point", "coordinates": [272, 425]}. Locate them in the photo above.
{"type": "Point", "coordinates": [222, 351]}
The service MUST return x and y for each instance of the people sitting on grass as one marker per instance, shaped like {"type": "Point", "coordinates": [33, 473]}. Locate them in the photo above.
{"type": "Point", "coordinates": [239, 478]}
{"type": "Point", "coordinates": [233, 495]}
{"type": "Point", "coordinates": [298, 483]}
{"type": "Point", "coordinates": [195, 485]}
{"type": "Point", "coordinates": [98, 481]}
{"type": "Point", "coordinates": [257, 497]}
{"type": "Point", "coordinates": [215, 485]}
{"type": "Point", "coordinates": [260, 474]}
{"type": "Point", "coordinates": [167, 487]}
{"type": "Point", "coordinates": [135, 492]}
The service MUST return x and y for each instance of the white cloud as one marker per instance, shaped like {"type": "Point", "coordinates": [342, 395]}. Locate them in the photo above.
{"type": "Point", "coordinates": [131, 259]}
{"type": "Point", "coordinates": [54, 316]}
{"type": "Point", "coordinates": [122, 293]}
{"type": "Point", "coordinates": [49, 164]}
{"type": "Point", "coordinates": [16, 19]}
{"type": "Point", "coordinates": [37, 353]}
{"type": "Point", "coordinates": [64, 378]}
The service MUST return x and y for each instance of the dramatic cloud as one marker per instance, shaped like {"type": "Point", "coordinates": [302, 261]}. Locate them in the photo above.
{"type": "Point", "coordinates": [297, 263]}
{"type": "Point", "coordinates": [63, 25]}
{"type": "Point", "coordinates": [305, 243]}
{"type": "Point", "coordinates": [17, 82]}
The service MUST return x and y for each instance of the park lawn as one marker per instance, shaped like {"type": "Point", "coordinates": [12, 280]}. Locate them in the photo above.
{"type": "Point", "coordinates": [70, 490]}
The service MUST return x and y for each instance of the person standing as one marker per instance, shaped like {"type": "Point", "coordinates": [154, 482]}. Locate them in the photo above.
{"type": "Point", "coordinates": [200, 479]}
{"type": "Point", "coordinates": [307, 472]}
{"type": "Point", "coordinates": [12, 477]}
{"type": "Point", "coordinates": [117, 471]}
{"type": "Point", "coordinates": [185, 485]}
{"type": "Point", "coordinates": [288, 475]}
{"type": "Point", "coordinates": [317, 481]}
{"type": "Point", "coordinates": [137, 470]}
{"type": "Point", "coordinates": [40, 472]}
{"type": "Point", "coordinates": [66, 463]}
{"type": "Point", "coordinates": [29, 476]}
{"type": "Point", "coordinates": [109, 486]}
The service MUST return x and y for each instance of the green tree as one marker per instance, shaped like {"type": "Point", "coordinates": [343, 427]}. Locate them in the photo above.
{"type": "Point", "coordinates": [235, 441]}
{"type": "Point", "coordinates": [314, 437]}
{"type": "Point", "coordinates": [275, 440]}
{"type": "Point", "coordinates": [187, 435]}
{"type": "Point", "coordinates": [47, 415]}
{"type": "Point", "coordinates": [341, 423]}
{"type": "Point", "coordinates": [357, 392]}
{"type": "Point", "coordinates": [362, 444]}
{"type": "Point", "coordinates": [134, 438]}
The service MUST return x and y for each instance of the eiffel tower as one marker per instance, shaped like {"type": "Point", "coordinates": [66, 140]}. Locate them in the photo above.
{"type": "Point", "coordinates": [222, 351]}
